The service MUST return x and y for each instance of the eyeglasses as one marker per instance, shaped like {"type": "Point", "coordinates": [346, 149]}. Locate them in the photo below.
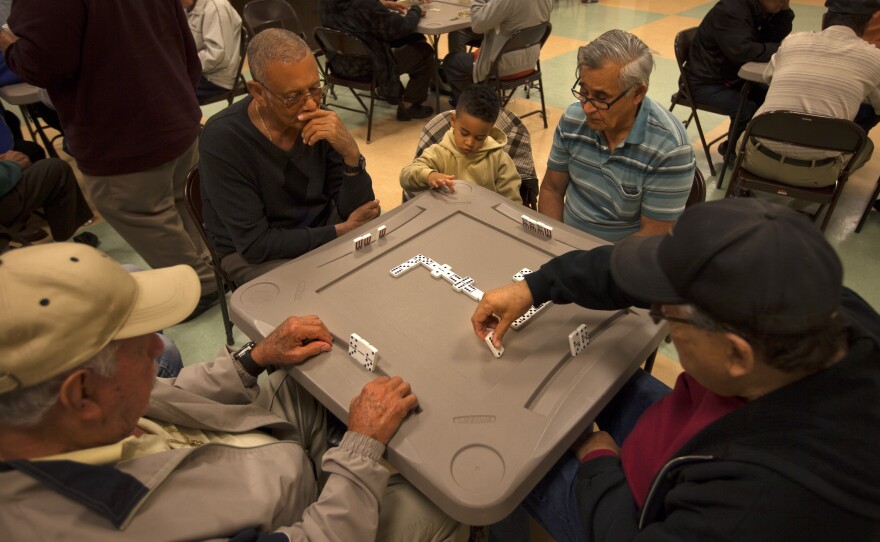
{"type": "Point", "coordinates": [317, 94]}
{"type": "Point", "coordinates": [598, 104]}
{"type": "Point", "coordinates": [657, 317]}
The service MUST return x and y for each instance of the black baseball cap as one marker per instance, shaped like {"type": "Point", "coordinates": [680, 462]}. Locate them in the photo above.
{"type": "Point", "coordinates": [749, 263]}
{"type": "Point", "coordinates": [856, 7]}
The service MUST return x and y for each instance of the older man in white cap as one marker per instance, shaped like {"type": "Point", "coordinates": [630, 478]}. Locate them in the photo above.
{"type": "Point", "coordinates": [94, 447]}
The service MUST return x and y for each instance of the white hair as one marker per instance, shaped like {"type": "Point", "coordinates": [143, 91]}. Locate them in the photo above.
{"type": "Point", "coordinates": [27, 407]}
{"type": "Point", "coordinates": [624, 49]}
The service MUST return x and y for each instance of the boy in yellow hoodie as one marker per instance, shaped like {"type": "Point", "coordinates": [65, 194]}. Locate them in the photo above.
{"type": "Point", "coordinates": [472, 150]}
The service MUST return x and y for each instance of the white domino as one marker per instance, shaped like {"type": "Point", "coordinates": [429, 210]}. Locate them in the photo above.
{"type": "Point", "coordinates": [473, 292]}
{"type": "Point", "coordinates": [382, 231]}
{"type": "Point", "coordinates": [578, 339]}
{"type": "Point", "coordinates": [362, 352]}
{"type": "Point", "coordinates": [460, 284]}
{"type": "Point", "coordinates": [524, 319]}
{"type": "Point", "coordinates": [521, 274]}
{"type": "Point", "coordinates": [404, 267]}
{"type": "Point", "coordinates": [535, 226]}
{"type": "Point", "coordinates": [495, 351]}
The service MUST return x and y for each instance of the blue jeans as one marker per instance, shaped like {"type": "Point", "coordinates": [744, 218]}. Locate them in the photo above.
{"type": "Point", "coordinates": [169, 363]}
{"type": "Point", "coordinates": [553, 502]}
{"type": "Point", "coordinates": [726, 99]}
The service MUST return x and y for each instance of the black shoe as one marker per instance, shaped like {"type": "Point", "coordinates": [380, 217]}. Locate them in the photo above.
{"type": "Point", "coordinates": [722, 148]}
{"type": "Point", "coordinates": [32, 235]}
{"type": "Point", "coordinates": [205, 302]}
{"type": "Point", "coordinates": [415, 111]}
{"type": "Point", "coordinates": [87, 238]}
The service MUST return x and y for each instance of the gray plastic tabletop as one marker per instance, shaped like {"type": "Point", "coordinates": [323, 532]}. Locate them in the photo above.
{"type": "Point", "coordinates": [488, 428]}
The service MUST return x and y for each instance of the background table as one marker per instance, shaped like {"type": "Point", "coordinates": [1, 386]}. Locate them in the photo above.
{"type": "Point", "coordinates": [488, 429]}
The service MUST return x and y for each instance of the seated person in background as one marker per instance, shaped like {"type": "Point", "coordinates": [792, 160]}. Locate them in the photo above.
{"type": "Point", "coordinates": [620, 163]}
{"type": "Point", "coordinates": [867, 118]}
{"type": "Point", "coordinates": [396, 49]}
{"type": "Point", "coordinates": [496, 20]}
{"type": "Point", "coordinates": [472, 150]}
{"type": "Point", "coordinates": [280, 176]}
{"type": "Point", "coordinates": [47, 184]}
{"type": "Point", "coordinates": [770, 432]}
{"type": "Point", "coordinates": [840, 71]}
{"type": "Point", "coordinates": [216, 29]}
{"type": "Point", "coordinates": [732, 33]}
{"type": "Point", "coordinates": [94, 447]}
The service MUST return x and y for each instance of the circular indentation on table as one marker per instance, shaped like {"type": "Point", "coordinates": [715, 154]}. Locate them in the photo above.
{"type": "Point", "coordinates": [432, 25]}
{"type": "Point", "coordinates": [260, 293]}
{"type": "Point", "coordinates": [463, 186]}
{"type": "Point", "coordinates": [477, 468]}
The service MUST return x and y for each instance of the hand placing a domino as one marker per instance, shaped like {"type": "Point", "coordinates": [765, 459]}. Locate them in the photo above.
{"type": "Point", "coordinates": [381, 407]}
{"type": "Point", "coordinates": [437, 180]}
{"type": "Point", "coordinates": [297, 339]}
{"type": "Point", "coordinates": [499, 308]}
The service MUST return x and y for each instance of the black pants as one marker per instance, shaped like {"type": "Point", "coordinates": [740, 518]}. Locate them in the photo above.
{"type": "Point", "coordinates": [51, 185]}
{"type": "Point", "coordinates": [727, 98]}
{"type": "Point", "coordinates": [417, 60]}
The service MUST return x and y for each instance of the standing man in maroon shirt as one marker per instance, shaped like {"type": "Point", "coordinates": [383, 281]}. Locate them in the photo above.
{"type": "Point", "coordinates": [122, 76]}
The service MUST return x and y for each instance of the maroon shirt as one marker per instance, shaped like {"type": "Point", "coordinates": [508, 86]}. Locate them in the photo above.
{"type": "Point", "coordinates": [121, 73]}
{"type": "Point", "coordinates": [664, 428]}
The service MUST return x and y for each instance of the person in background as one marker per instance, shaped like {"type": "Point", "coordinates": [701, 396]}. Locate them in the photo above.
{"type": "Point", "coordinates": [216, 29]}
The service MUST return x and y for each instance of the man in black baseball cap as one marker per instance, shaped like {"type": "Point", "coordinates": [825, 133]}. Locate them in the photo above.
{"type": "Point", "coordinates": [771, 431]}
{"type": "Point", "coordinates": [856, 7]}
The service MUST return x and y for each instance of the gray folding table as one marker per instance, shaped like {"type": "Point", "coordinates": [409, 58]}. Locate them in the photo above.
{"type": "Point", "coordinates": [488, 429]}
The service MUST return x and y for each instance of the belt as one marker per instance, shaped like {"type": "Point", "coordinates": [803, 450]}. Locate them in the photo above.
{"type": "Point", "coordinates": [792, 161]}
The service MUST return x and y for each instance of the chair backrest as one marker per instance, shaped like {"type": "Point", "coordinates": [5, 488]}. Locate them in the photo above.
{"type": "Point", "coordinates": [520, 40]}
{"type": "Point", "coordinates": [309, 20]}
{"type": "Point", "coordinates": [682, 46]}
{"type": "Point", "coordinates": [823, 133]}
{"type": "Point", "coordinates": [193, 196]}
{"type": "Point", "coordinates": [259, 15]}
{"type": "Point", "coordinates": [698, 189]}
{"type": "Point", "coordinates": [339, 42]}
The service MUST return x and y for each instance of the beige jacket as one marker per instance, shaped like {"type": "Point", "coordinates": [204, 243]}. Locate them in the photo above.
{"type": "Point", "coordinates": [207, 493]}
{"type": "Point", "coordinates": [489, 167]}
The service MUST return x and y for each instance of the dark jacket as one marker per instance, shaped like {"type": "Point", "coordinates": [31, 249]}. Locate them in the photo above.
{"type": "Point", "coordinates": [121, 74]}
{"type": "Point", "coordinates": [800, 463]}
{"type": "Point", "coordinates": [381, 29]}
{"type": "Point", "coordinates": [732, 33]}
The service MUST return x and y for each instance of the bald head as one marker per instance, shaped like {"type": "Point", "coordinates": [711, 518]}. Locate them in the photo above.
{"type": "Point", "coordinates": [274, 44]}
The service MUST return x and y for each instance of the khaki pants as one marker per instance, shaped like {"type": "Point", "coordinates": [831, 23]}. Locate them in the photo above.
{"type": "Point", "coordinates": [405, 514]}
{"type": "Point", "coordinates": [815, 176]}
{"type": "Point", "coordinates": [148, 210]}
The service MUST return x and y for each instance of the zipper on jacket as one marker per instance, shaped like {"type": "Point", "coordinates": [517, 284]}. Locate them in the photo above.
{"type": "Point", "coordinates": [673, 463]}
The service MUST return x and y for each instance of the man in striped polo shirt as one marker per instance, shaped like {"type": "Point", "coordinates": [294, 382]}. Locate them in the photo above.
{"type": "Point", "coordinates": [621, 164]}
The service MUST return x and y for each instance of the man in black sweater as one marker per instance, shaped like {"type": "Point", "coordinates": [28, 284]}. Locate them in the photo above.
{"type": "Point", "coordinates": [771, 431]}
{"type": "Point", "coordinates": [732, 33]}
{"type": "Point", "coordinates": [280, 176]}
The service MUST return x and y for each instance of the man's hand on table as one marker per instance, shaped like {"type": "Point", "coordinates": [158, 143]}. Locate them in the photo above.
{"type": "Point", "coordinates": [381, 407]}
{"type": "Point", "coordinates": [360, 216]}
{"type": "Point", "coordinates": [297, 339]}
{"type": "Point", "coordinates": [499, 308]}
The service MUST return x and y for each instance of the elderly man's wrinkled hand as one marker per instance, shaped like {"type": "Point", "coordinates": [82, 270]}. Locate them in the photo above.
{"type": "Point", "coordinates": [297, 339]}
{"type": "Point", "coordinates": [499, 308]}
{"type": "Point", "coordinates": [381, 407]}
{"type": "Point", "coordinates": [323, 125]}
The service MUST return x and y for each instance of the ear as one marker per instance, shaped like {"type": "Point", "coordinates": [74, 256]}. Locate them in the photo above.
{"type": "Point", "coordinates": [256, 90]}
{"type": "Point", "coordinates": [78, 395]}
{"type": "Point", "coordinates": [452, 119]}
{"type": "Point", "coordinates": [740, 357]}
{"type": "Point", "coordinates": [639, 93]}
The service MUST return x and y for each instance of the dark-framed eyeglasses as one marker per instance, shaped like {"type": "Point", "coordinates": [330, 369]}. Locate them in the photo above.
{"type": "Point", "coordinates": [598, 104]}
{"type": "Point", "coordinates": [657, 316]}
{"type": "Point", "coordinates": [316, 92]}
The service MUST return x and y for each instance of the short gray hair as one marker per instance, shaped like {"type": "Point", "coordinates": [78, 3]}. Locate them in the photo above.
{"type": "Point", "coordinates": [26, 407]}
{"type": "Point", "coordinates": [799, 352]}
{"type": "Point", "coordinates": [622, 48]}
{"type": "Point", "coordinates": [274, 44]}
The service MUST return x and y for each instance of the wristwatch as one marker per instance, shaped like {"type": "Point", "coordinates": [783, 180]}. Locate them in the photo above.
{"type": "Point", "coordinates": [355, 170]}
{"type": "Point", "coordinates": [243, 356]}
